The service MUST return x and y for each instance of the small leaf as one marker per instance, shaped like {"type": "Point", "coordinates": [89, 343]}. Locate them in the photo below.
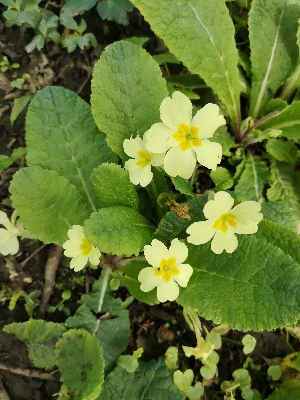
{"type": "Point", "coordinates": [275, 372]}
{"type": "Point", "coordinates": [127, 90]}
{"type": "Point", "coordinates": [129, 363]}
{"type": "Point", "coordinates": [6, 161]}
{"type": "Point", "coordinates": [19, 105]}
{"type": "Point", "coordinates": [171, 357]}
{"type": "Point", "coordinates": [183, 380]}
{"type": "Point", "coordinates": [249, 343]}
{"type": "Point", "coordinates": [115, 10]}
{"type": "Point", "coordinates": [80, 361]}
{"type": "Point", "coordinates": [40, 338]}
{"type": "Point", "coordinates": [182, 186]}
{"type": "Point", "coordinates": [118, 230]}
{"type": "Point", "coordinates": [195, 392]}
{"type": "Point", "coordinates": [113, 187]}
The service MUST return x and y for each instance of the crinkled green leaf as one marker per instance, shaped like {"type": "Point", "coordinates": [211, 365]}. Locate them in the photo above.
{"type": "Point", "coordinates": [113, 187]}
{"type": "Point", "coordinates": [223, 137]}
{"type": "Point", "coordinates": [282, 187]}
{"type": "Point", "coordinates": [118, 230]}
{"type": "Point", "coordinates": [280, 213]}
{"type": "Point", "coordinates": [112, 330]}
{"type": "Point", "coordinates": [77, 7]}
{"type": "Point", "coordinates": [62, 136]}
{"type": "Point", "coordinates": [115, 10]}
{"type": "Point", "coordinates": [150, 381]}
{"type": "Point", "coordinates": [182, 185]}
{"type": "Point", "coordinates": [128, 275]}
{"type": "Point", "coordinates": [288, 121]}
{"type": "Point", "coordinates": [6, 161]}
{"type": "Point", "coordinates": [274, 53]}
{"type": "Point", "coordinates": [252, 182]}
{"type": "Point", "coordinates": [171, 225]}
{"type": "Point", "coordinates": [201, 35]}
{"type": "Point", "coordinates": [127, 90]}
{"type": "Point", "coordinates": [40, 338]}
{"type": "Point", "coordinates": [81, 365]}
{"type": "Point", "coordinates": [283, 151]}
{"type": "Point", "coordinates": [254, 288]}
{"type": "Point", "coordinates": [47, 203]}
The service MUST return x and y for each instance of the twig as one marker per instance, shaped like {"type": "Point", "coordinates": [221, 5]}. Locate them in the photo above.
{"type": "Point", "coordinates": [24, 262]}
{"type": "Point", "coordinates": [31, 373]}
{"type": "Point", "coordinates": [54, 257]}
{"type": "Point", "coordinates": [16, 273]}
{"type": "Point", "coordinates": [3, 393]}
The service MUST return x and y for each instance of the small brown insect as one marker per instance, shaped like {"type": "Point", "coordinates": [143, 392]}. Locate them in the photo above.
{"type": "Point", "coordinates": [181, 209]}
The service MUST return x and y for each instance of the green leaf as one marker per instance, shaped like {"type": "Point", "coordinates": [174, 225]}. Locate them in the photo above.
{"type": "Point", "coordinates": [195, 392]}
{"type": "Point", "coordinates": [222, 178]}
{"type": "Point", "coordinates": [62, 136]}
{"type": "Point", "coordinates": [171, 225]}
{"type": "Point", "coordinates": [283, 151]}
{"type": "Point", "coordinates": [7, 161]}
{"type": "Point", "coordinates": [128, 275]}
{"type": "Point", "coordinates": [272, 32]}
{"type": "Point", "coordinates": [182, 185]}
{"type": "Point", "coordinates": [113, 187]}
{"type": "Point", "coordinates": [288, 390]}
{"type": "Point", "coordinates": [77, 7]}
{"type": "Point", "coordinates": [249, 343]}
{"type": "Point", "coordinates": [112, 330]}
{"type": "Point", "coordinates": [47, 203]}
{"type": "Point", "coordinates": [275, 372]}
{"type": "Point", "coordinates": [40, 338]}
{"type": "Point", "coordinates": [223, 137]}
{"type": "Point", "coordinates": [186, 81]}
{"type": "Point", "coordinates": [115, 10]}
{"type": "Point", "coordinates": [252, 182]}
{"type": "Point", "coordinates": [201, 35]}
{"type": "Point", "coordinates": [80, 361]}
{"type": "Point", "coordinates": [118, 230]}
{"type": "Point", "coordinates": [19, 105]}
{"type": "Point", "coordinates": [288, 121]}
{"type": "Point", "coordinates": [183, 380]}
{"type": "Point", "coordinates": [282, 188]}
{"type": "Point", "coordinates": [127, 90]}
{"type": "Point", "coordinates": [151, 381]}
{"type": "Point", "coordinates": [254, 288]}
{"type": "Point", "coordinates": [281, 213]}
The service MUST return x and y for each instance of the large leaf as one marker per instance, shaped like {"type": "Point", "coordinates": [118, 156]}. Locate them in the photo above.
{"type": "Point", "coordinates": [119, 230]}
{"type": "Point", "coordinates": [40, 338]}
{"type": "Point", "coordinates": [201, 35]}
{"type": "Point", "coordinates": [150, 381]}
{"type": "Point", "coordinates": [113, 187]}
{"type": "Point", "coordinates": [62, 136]}
{"type": "Point", "coordinates": [274, 53]}
{"type": "Point", "coordinates": [281, 213]}
{"type": "Point", "coordinates": [112, 330]}
{"type": "Point", "coordinates": [256, 287]}
{"type": "Point", "coordinates": [285, 151]}
{"type": "Point", "coordinates": [252, 182]}
{"type": "Point", "coordinates": [47, 203]}
{"type": "Point", "coordinates": [127, 90]}
{"type": "Point", "coordinates": [81, 365]}
{"type": "Point", "coordinates": [288, 121]}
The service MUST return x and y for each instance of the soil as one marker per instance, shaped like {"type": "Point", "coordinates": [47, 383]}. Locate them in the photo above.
{"type": "Point", "coordinates": [154, 328]}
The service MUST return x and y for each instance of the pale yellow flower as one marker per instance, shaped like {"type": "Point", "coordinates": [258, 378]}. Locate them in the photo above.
{"type": "Point", "coordinates": [80, 249]}
{"type": "Point", "coordinates": [9, 243]}
{"type": "Point", "coordinates": [167, 271]}
{"type": "Point", "coordinates": [185, 138]}
{"type": "Point", "coordinates": [223, 222]}
{"type": "Point", "coordinates": [139, 167]}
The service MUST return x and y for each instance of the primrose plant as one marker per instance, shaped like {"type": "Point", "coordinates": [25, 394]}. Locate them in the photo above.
{"type": "Point", "coordinates": [119, 180]}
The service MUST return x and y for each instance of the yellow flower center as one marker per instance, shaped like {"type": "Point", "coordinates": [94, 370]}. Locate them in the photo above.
{"type": "Point", "coordinates": [187, 136]}
{"type": "Point", "coordinates": [86, 247]}
{"type": "Point", "coordinates": [167, 269]}
{"type": "Point", "coordinates": [223, 222]}
{"type": "Point", "coordinates": [144, 158]}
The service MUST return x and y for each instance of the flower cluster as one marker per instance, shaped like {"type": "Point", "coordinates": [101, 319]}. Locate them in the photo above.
{"type": "Point", "coordinates": [177, 143]}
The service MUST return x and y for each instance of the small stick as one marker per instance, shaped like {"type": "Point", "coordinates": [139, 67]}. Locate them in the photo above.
{"type": "Point", "coordinates": [54, 257]}
{"type": "Point", "coordinates": [3, 393]}
{"type": "Point", "coordinates": [31, 373]}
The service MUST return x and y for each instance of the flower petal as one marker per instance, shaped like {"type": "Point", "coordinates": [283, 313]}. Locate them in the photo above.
{"type": "Point", "coordinates": [224, 241]}
{"type": "Point", "coordinates": [176, 110]}
{"type": "Point", "coordinates": [11, 246]}
{"type": "Point", "coordinates": [248, 212]}
{"type": "Point", "coordinates": [208, 120]}
{"type": "Point", "coordinates": [167, 291]}
{"type": "Point", "coordinates": [157, 139]}
{"type": "Point", "coordinates": [209, 154]}
{"type": "Point", "coordinates": [200, 232]}
{"type": "Point", "coordinates": [178, 250]}
{"type": "Point", "coordinates": [155, 252]}
{"type": "Point", "coordinates": [180, 162]}
{"type": "Point", "coordinates": [4, 220]}
{"type": "Point", "coordinates": [76, 233]}
{"type": "Point", "coordinates": [245, 229]}
{"type": "Point", "coordinates": [148, 279]}
{"type": "Point", "coordinates": [78, 263]}
{"type": "Point", "coordinates": [221, 204]}
{"type": "Point", "coordinates": [133, 146]}
{"type": "Point", "coordinates": [185, 273]}
{"type": "Point", "coordinates": [72, 249]}
{"type": "Point", "coordinates": [94, 256]}
{"type": "Point", "coordinates": [157, 159]}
